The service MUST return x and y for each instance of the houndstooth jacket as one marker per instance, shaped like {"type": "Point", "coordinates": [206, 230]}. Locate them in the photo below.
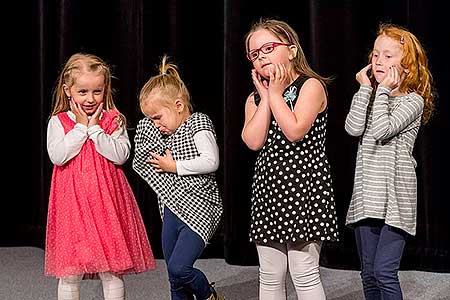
{"type": "Point", "coordinates": [194, 199]}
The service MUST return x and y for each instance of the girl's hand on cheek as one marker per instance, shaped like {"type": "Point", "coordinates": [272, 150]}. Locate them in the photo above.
{"type": "Point", "coordinates": [96, 116]}
{"type": "Point", "coordinates": [392, 79]}
{"type": "Point", "coordinates": [362, 76]}
{"type": "Point", "coordinates": [261, 84]}
{"type": "Point", "coordinates": [80, 116]}
{"type": "Point", "coordinates": [279, 78]}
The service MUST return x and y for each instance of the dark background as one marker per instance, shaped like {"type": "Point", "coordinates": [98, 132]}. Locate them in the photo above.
{"type": "Point", "coordinates": [205, 39]}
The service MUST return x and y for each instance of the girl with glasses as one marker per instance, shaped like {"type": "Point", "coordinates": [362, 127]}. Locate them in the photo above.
{"type": "Point", "coordinates": [293, 209]}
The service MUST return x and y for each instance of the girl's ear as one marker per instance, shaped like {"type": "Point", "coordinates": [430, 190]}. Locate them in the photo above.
{"type": "Point", "coordinates": [293, 49]}
{"type": "Point", "coordinates": [66, 90]}
{"type": "Point", "coordinates": [179, 105]}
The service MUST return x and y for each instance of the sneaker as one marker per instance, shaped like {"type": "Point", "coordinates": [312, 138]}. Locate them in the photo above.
{"type": "Point", "coordinates": [214, 295]}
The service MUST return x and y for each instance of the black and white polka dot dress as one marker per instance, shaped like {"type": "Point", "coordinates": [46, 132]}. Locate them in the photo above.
{"type": "Point", "coordinates": [292, 193]}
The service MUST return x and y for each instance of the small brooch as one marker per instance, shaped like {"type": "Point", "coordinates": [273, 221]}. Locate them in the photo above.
{"type": "Point", "coordinates": [290, 95]}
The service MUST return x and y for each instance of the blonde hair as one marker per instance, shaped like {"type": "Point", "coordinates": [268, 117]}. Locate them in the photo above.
{"type": "Point", "coordinates": [168, 84]}
{"type": "Point", "coordinates": [286, 34]}
{"type": "Point", "coordinates": [418, 79]}
{"type": "Point", "coordinates": [77, 64]}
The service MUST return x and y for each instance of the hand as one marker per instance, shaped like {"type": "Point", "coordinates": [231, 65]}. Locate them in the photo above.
{"type": "Point", "coordinates": [393, 78]}
{"type": "Point", "coordinates": [80, 116]}
{"type": "Point", "coordinates": [163, 163]}
{"type": "Point", "coordinates": [279, 78]}
{"type": "Point", "coordinates": [362, 76]}
{"type": "Point", "coordinates": [261, 85]}
{"type": "Point", "coordinates": [95, 118]}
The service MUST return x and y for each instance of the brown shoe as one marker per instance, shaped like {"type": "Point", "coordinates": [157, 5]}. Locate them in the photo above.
{"type": "Point", "coordinates": [214, 295]}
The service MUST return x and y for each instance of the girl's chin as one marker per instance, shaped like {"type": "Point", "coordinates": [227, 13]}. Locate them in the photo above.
{"type": "Point", "coordinates": [89, 112]}
{"type": "Point", "coordinates": [264, 75]}
{"type": "Point", "coordinates": [379, 79]}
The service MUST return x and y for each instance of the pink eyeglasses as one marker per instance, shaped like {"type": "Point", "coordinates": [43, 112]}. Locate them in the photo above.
{"type": "Point", "coordinates": [266, 48]}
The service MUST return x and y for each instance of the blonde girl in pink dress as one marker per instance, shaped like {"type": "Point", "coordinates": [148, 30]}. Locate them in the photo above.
{"type": "Point", "coordinates": [94, 226]}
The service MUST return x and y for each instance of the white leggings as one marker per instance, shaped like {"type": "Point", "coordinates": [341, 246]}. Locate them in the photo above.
{"type": "Point", "coordinates": [113, 287]}
{"type": "Point", "coordinates": [302, 258]}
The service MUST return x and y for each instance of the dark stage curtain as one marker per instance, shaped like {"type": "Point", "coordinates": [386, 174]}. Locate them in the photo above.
{"type": "Point", "coordinates": [206, 41]}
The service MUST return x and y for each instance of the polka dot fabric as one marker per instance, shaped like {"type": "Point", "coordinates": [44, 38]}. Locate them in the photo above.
{"type": "Point", "coordinates": [94, 224]}
{"type": "Point", "coordinates": [292, 196]}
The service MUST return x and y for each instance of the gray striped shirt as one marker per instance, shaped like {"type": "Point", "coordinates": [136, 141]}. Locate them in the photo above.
{"type": "Point", "coordinates": [385, 184]}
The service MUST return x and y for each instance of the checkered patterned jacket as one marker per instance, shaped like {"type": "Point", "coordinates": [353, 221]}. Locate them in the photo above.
{"type": "Point", "coordinates": [194, 199]}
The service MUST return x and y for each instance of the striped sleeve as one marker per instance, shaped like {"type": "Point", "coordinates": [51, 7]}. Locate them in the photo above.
{"type": "Point", "coordinates": [356, 118]}
{"type": "Point", "coordinates": [388, 123]}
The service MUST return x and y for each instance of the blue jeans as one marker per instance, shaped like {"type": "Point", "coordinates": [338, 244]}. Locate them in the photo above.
{"type": "Point", "coordinates": [380, 249]}
{"type": "Point", "coordinates": [182, 247]}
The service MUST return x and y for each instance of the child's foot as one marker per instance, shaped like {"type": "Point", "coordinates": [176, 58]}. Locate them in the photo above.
{"type": "Point", "coordinates": [214, 295]}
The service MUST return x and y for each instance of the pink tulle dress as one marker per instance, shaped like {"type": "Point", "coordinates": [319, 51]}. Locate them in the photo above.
{"type": "Point", "coordinates": [94, 223]}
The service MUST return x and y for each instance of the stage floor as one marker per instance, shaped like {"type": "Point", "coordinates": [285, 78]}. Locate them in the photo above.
{"type": "Point", "coordinates": [21, 278]}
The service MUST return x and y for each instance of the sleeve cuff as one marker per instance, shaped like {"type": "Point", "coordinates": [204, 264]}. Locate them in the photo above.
{"type": "Point", "coordinates": [94, 130]}
{"type": "Point", "coordinates": [382, 89]}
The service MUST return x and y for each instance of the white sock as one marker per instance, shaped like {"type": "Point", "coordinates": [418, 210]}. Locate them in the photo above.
{"type": "Point", "coordinates": [69, 287]}
{"type": "Point", "coordinates": [113, 286]}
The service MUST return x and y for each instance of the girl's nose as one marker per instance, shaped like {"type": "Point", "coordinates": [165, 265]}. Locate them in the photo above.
{"type": "Point", "coordinates": [378, 61]}
{"type": "Point", "coordinates": [90, 98]}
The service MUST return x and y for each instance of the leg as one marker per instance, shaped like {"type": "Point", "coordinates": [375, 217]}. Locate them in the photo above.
{"type": "Point", "coordinates": [387, 262]}
{"type": "Point", "coordinates": [69, 287]}
{"type": "Point", "coordinates": [170, 230]}
{"type": "Point", "coordinates": [303, 260]}
{"type": "Point", "coordinates": [113, 287]}
{"type": "Point", "coordinates": [272, 271]}
{"type": "Point", "coordinates": [184, 250]}
{"type": "Point", "coordinates": [367, 236]}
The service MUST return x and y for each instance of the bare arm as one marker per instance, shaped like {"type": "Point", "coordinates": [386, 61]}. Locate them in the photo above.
{"type": "Point", "coordinates": [311, 101]}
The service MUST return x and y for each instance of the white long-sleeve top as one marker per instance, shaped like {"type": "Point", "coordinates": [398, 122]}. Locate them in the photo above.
{"type": "Point", "coordinates": [207, 162]}
{"type": "Point", "coordinates": [63, 147]}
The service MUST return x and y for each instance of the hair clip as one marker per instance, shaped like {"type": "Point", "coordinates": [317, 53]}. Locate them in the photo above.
{"type": "Point", "coordinates": [402, 40]}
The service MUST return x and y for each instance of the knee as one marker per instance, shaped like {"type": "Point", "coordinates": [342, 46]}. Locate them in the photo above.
{"type": "Point", "coordinates": [271, 276]}
{"type": "Point", "coordinates": [306, 279]}
{"type": "Point", "coordinates": [178, 271]}
{"type": "Point", "coordinates": [385, 276]}
{"type": "Point", "coordinates": [367, 273]}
